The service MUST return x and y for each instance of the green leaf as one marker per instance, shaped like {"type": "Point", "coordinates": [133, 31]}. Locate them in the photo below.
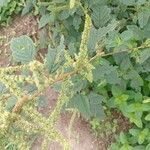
{"type": "Point", "coordinates": [100, 15]}
{"type": "Point", "coordinates": [113, 78]}
{"type": "Point", "coordinates": [41, 101]}
{"type": "Point", "coordinates": [79, 84]}
{"type": "Point", "coordinates": [136, 119]}
{"type": "Point", "coordinates": [138, 34]}
{"type": "Point", "coordinates": [95, 2]}
{"type": "Point", "coordinates": [116, 91]}
{"type": "Point", "coordinates": [23, 49]}
{"type": "Point", "coordinates": [43, 38]}
{"type": "Point", "coordinates": [121, 100]}
{"type": "Point", "coordinates": [30, 88]}
{"type": "Point", "coordinates": [77, 21]}
{"type": "Point", "coordinates": [140, 147]}
{"type": "Point", "coordinates": [72, 49]}
{"type": "Point", "coordinates": [72, 3]}
{"type": "Point", "coordinates": [45, 19]}
{"type": "Point", "coordinates": [146, 107]}
{"type": "Point", "coordinates": [11, 103]}
{"type": "Point", "coordinates": [102, 69]}
{"type": "Point", "coordinates": [143, 135]}
{"type": "Point", "coordinates": [64, 14]}
{"type": "Point", "coordinates": [135, 107]}
{"type": "Point", "coordinates": [136, 79]}
{"type": "Point", "coordinates": [28, 6]}
{"type": "Point", "coordinates": [105, 30]}
{"type": "Point", "coordinates": [148, 147]}
{"type": "Point", "coordinates": [88, 105]}
{"type": "Point", "coordinates": [126, 147]}
{"type": "Point", "coordinates": [3, 2]}
{"type": "Point", "coordinates": [55, 56]}
{"type": "Point", "coordinates": [114, 146]}
{"type": "Point", "coordinates": [51, 57]}
{"type": "Point", "coordinates": [141, 2]}
{"type": "Point", "coordinates": [59, 1]}
{"type": "Point", "coordinates": [144, 55]}
{"type": "Point", "coordinates": [113, 40]}
{"type": "Point", "coordinates": [96, 105]}
{"type": "Point", "coordinates": [98, 34]}
{"type": "Point", "coordinates": [127, 35]}
{"type": "Point", "coordinates": [134, 132]}
{"type": "Point", "coordinates": [147, 30]}
{"type": "Point", "coordinates": [2, 88]}
{"type": "Point", "coordinates": [143, 18]}
{"type": "Point", "coordinates": [146, 100]}
{"type": "Point", "coordinates": [93, 38]}
{"type": "Point", "coordinates": [128, 2]}
{"type": "Point", "coordinates": [122, 138]}
{"type": "Point", "coordinates": [81, 102]}
{"type": "Point", "coordinates": [147, 118]}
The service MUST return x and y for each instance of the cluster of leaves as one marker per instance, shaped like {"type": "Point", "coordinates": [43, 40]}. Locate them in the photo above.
{"type": "Point", "coordinates": [9, 8]}
{"type": "Point", "coordinates": [122, 80]}
{"type": "Point", "coordinates": [15, 114]}
{"type": "Point", "coordinates": [105, 129]}
{"type": "Point", "coordinates": [18, 89]}
{"type": "Point", "coordinates": [120, 33]}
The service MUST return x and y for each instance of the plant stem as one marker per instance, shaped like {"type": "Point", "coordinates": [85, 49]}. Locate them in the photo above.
{"type": "Point", "coordinates": [17, 108]}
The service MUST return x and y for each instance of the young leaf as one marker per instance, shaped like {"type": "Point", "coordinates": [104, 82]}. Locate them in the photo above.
{"type": "Point", "coordinates": [72, 3]}
{"type": "Point", "coordinates": [143, 135]}
{"type": "Point", "coordinates": [23, 49]}
{"type": "Point", "coordinates": [136, 119]}
{"type": "Point", "coordinates": [45, 19]}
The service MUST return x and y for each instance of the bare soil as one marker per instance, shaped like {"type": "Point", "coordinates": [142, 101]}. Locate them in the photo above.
{"type": "Point", "coordinates": [82, 138]}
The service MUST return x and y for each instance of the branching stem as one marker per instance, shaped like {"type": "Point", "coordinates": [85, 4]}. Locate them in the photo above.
{"type": "Point", "coordinates": [17, 108]}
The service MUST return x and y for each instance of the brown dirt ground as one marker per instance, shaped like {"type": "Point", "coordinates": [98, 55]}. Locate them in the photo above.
{"type": "Point", "coordinates": [81, 137]}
